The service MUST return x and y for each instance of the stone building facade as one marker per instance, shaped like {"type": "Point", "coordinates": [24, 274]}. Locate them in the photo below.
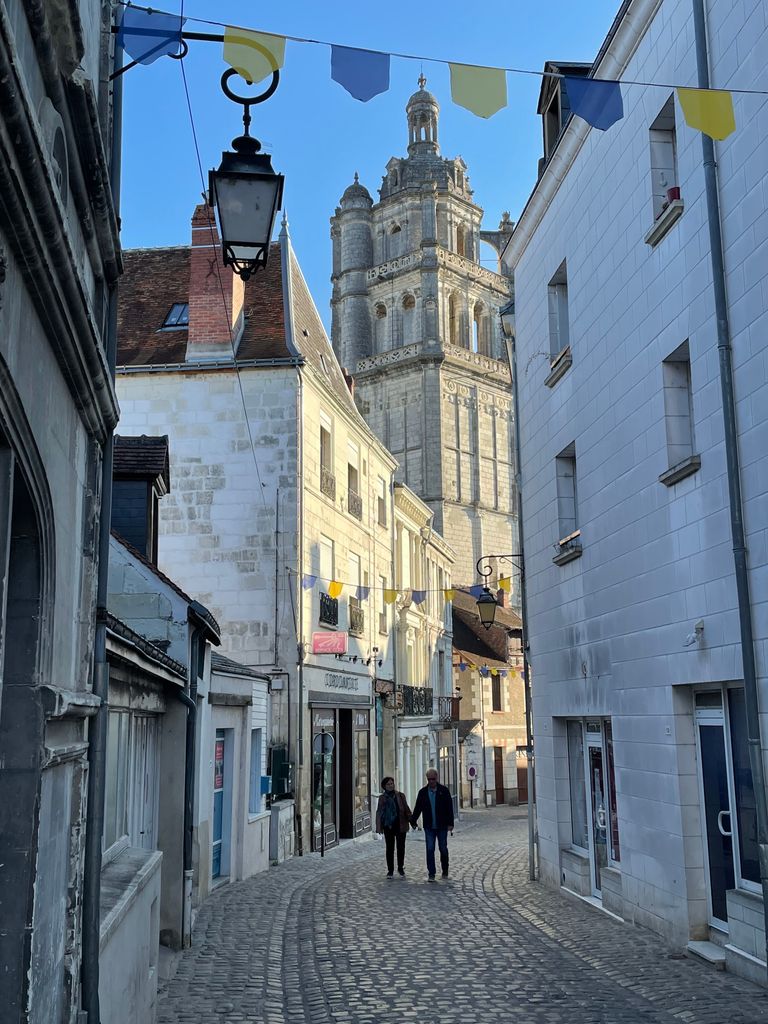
{"type": "Point", "coordinates": [645, 796]}
{"type": "Point", "coordinates": [59, 259]}
{"type": "Point", "coordinates": [414, 319]}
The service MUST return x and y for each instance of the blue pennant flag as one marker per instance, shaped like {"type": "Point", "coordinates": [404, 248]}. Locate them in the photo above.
{"type": "Point", "coordinates": [419, 596]}
{"type": "Point", "coordinates": [462, 666]}
{"type": "Point", "coordinates": [595, 100]}
{"type": "Point", "coordinates": [477, 590]}
{"type": "Point", "coordinates": [485, 671]}
{"type": "Point", "coordinates": [308, 581]}
{"type": "Point", "coordinates": [363, 73]}
{"type": "Point", "coordinates": [362, 593]}
{"type": "Point", "coordinates": [146, 35]}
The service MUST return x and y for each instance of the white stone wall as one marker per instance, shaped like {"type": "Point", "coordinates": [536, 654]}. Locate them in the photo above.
{"type": "Point", "coordinates": [607, 630]}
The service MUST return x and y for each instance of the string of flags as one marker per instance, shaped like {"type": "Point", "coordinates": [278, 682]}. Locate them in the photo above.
{"type": "Point", "coordinates": [146, 34]}
{"type": "Point", "coordinates": [390, 595]}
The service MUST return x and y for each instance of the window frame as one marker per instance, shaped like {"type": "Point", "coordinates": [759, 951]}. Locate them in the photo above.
{"type": "Point", "coordinates": [255, 773]}
{"type": "Point", "coordinates": [178, 323]}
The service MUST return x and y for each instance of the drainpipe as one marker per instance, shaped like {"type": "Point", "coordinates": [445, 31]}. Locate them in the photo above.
{"type": "Point", "coordinates": [299, 761]}
{"type": "Point", "coordinates": [190, 701]}
{"type": "Point", "coordinates": [733, 466]}
{"type": "Point", "coordinates": [97, 727]}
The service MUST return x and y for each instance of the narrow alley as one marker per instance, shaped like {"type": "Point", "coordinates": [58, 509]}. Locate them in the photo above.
{"type": "Point", "coordinates": [336, 942]}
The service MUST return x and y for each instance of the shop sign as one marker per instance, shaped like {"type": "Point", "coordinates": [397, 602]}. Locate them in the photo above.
{"type": "Point", "coordinates": [323, 720]}
{"type": "Point", "coordinates": [329, 643]}
{"type": "Point", "coordinates": [340, 681]}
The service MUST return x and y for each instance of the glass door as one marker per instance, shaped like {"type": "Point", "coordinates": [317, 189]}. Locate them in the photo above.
{"type": "Point", "coordinates": [599, 813]}
{"type": "Point", "coordinates": [218, 803]}
{"type": "Point", "coordinates": [716, 801]}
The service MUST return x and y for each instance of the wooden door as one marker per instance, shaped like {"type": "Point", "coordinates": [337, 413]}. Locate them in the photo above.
{"type": "Point", "coordinates": [498, 771]}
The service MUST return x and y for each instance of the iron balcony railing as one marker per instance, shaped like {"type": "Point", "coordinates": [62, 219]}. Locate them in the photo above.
{"type": "Point", "coordinates": [327, 482]}
{"type": "Point", "coordinates": [356, 618]}
{"type": "Point", "coordinates": [447, 709]}
{"type": "Point", "coordinates": [329, 610]}
{"type": "Point", "coordinates": [355, 504]}
{"type": "Point", "coordinates": [417, 700]}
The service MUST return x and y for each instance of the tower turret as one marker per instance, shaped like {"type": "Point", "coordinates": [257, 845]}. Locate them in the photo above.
{"type": "Point", "coordinates": [423, 111]}
{"type": "Point", "coordinates": [352, 256]}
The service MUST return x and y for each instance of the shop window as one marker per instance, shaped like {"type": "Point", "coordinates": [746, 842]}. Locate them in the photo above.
{"type": "Point", "coordinates": [578, 789]}
{"type": "Point", "coordinates": [255, 800]}
{"type": "Point", "coordinates": [612, 809]}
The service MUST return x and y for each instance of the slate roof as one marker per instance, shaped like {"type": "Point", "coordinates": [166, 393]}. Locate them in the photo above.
{"type": "Point", "coordinates": [154, 279]}
{"type": "Point", "coordinates": [220, 663]}
{"type": "Point", "coordinates": [143, 457]}
{"type": "Point", "coordinates": [472, 641]}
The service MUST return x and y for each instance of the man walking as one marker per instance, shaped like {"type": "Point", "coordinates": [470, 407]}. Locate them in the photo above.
{"type": "Point", "coordinates": [435, 807]}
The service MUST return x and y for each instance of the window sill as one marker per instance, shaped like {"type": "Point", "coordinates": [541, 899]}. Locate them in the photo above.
{"type": "Point", "coordinates": [679, 472]}
{"type": "Point", "coordinates": [122, 881]}
{"type": "Point", "coordinates": [559, 365]}
{"type": "Point", "coordinates": [664, 222]}
{"type": "Point", "coordinates": [569, 554]}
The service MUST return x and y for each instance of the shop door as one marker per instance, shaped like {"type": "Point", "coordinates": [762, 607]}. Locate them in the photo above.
{"type": "Point", "coordinates": [346, 771]}
{"type": "Point", "coordinates": [716, 801]}
{"type": "Point", "coordinates": [599, 814]}
{"type": "Point", "coordinates": [362, 772]}
{"type": "Point", "coordinates": [324, 781]}
{"type": "Point", "coordinates": [498, 773]}
{"type": "Point", "coordinates": [218, 802]}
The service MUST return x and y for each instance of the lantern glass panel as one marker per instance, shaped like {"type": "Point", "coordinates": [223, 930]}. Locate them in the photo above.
{"type": "Point", "coordinates": [246, 207]}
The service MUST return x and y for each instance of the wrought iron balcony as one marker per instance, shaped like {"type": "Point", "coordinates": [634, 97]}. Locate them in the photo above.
{"type": "Point", "coordinates": [417, 700]}
{"type": "Point", "coordinates": [329, 610]}
{"type": "Point", "coordinates": [356, 618]}
{"type": "Point", "coordinates": [447, 709]}
{"type": "Point", "coordinates": [327, 482]}
{"type": "Point", "coordinates": [355, 504]}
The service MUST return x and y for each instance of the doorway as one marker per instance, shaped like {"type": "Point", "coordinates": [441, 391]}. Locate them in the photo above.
{"type": "Point", "coordinates": [498, 773]}
{"type": "Point", "coordinates": [222, 804]}
{"type": "Point", "coordinates": [599, 831]}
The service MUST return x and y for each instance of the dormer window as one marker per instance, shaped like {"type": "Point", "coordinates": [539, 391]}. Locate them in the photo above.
{"type": "Point", "coordinates": [178, 317]}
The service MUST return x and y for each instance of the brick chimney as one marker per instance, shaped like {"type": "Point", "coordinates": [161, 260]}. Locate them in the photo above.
{"type": "Point", "coordinates": [216, 295]}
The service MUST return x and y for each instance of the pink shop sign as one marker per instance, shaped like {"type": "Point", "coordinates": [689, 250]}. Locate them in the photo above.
{"type": "Point", "coordinates": [329, 643]}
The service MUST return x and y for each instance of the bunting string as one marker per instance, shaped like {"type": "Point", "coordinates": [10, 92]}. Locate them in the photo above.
{"type": "Point", "coordinates": [146, 34]}
{"type": "Point", "coordinates": [335, 588]}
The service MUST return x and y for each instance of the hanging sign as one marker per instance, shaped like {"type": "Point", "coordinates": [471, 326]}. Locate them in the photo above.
{"type": "Point", "coordinates": [329, 643]}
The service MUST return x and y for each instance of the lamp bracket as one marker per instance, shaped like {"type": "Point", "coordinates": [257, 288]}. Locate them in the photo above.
{"type": "Point", "coordinates": [485, 569]}
{"type": "Point", "coordinates": [245, 143]}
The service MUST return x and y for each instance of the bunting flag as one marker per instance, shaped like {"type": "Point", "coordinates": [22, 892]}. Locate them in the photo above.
{"type": "Point", "coordinates": [308, 581]}
{"type": "Point", "coordinates": [484, 672]}
{"type": "Point", "coordinates": [335, 588]}
{"type": "Point", "coordinates": [595, 100]}
{"type": "Point", "coordinates": [477, 590]}
{"type": "Point", "coordinates": [449, 594]}
{"type": "Point", "coordinates": [362, 593]}
{"type": "Point", "coordinates": [494, 671]}
{"type": "Point", "coordinates": [254, 55]}
{"type": "Point", "coordinates": [363, 73]}
{"type": "Point", "coordinates": [462, 666]}
{"type": "Point", "coordinates": [502, 671]}
{"type": "Point", "coordinates": [505, 583]}
{"type": "Point", "coordinates": [709, 111]}
{"type": "Point", "coordinates": [146, 35]}
{"type": "Point", "coordinates": [419, 596]}
{"type": "Point", "coordinates": [483, 91]}
{"type": "Point", "coordinates": [390, 596]}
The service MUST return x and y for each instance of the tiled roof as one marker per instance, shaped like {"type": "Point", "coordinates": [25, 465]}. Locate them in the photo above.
{"type": "Point", "coordinates": [153, 281]}
{"type": "Point", "coordinates": [220, 663]}
{"type": "Point", "coordinates": [143, 457]}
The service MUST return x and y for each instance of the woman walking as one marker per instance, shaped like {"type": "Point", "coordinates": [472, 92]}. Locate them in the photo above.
{"type": "Point", "coordinates": [392, 820]}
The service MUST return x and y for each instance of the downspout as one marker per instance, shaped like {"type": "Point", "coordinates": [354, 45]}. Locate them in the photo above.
{"type": "Point", "coordinates": [97, 728]}
{"type": "Point", "coordinates": [300, 631]}
{"type": "Point", "coordinates": [733, 466]}
{"type": "Point", "coordinates": [190, 701]}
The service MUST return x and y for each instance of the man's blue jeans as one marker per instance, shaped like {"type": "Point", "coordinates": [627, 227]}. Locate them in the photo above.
{"type": "Point", "coordinates": [439, 835]}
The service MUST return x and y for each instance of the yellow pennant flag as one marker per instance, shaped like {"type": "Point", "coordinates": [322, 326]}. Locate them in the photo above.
{"type": "Point", "coordinates": [254, 55]}
{"type": "Point", "coordinates": [335, 588]}
{"type": "Point", "coordinates": [390, 596]}
{"type": "Point", "coordinates": [505, 583]}
{"type": "Point", "coordinates": [709, 111]}
{"type": "Point", "coordinates": [481, 90]}
{"type": "Point", "coordinates": [494, 671]}
{"type": "Point", "coordinates": [449, 594]}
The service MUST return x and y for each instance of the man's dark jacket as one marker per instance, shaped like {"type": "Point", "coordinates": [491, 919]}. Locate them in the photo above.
{"type": "Point", "coordinates": [443, 808]}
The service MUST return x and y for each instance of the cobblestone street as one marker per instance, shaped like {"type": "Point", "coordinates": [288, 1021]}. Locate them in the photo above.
{"type": "Point", "coordinates": [336, 942]}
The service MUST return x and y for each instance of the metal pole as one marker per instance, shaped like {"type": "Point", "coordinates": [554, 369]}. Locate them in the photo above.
{"type": "Point", "coordinates": [322, 792]}
{"type": "Point", "coordinates": [733, 469]}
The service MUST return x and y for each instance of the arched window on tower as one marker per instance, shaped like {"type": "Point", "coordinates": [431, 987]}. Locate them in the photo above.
{"type": "Point", "coordinates": [409, 319]}
{"type": "Point", "coordinates": [380, 327]}
{"type": "Point", "coordinates": [453, 319]}
{"type": "Point", "coordinates": [393, 178]}
{"type": "Point", "coordinates": [461, 240]}
{"type": "Point", "coordinates": [478, 329]}
{"type": "Point", "coordinates": [395, 242]}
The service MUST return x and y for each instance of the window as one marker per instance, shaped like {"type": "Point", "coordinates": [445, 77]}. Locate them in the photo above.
{"type": "Point", "coordinates": [567, 508]}
{"type": "Point", "coordinates": [178, 317]}
{"type": "Point", "coordinates": [453, 320]}
{"type": "Point", "coordinates": [612, 810]}
{"type": "Point", "coordinates": [496, 693]}
{"type": "Point", "coordinates": [678, 416]}
{"type": "Point", "coordinates": [380, 327]}
{"type": "Point", "coordinates": [381, 501]}
{"type": "Point", "coordinates": [254, 789]}
{"type": "Point", "coordinates": [395, 242]}
{"type": "Point", "coordinates": [461, 245]}
{"type": "Point", "coordinates": [744, 790]}
{"type": "Point", "coordinates": [384, 611]}
{"type": "Point", "coordinates": [356, 613]}
{"type": "Point", "coordinates": [557, 305]}
{"type": "Point", "coordinates": [354, 501]}
{"type": "Point", "coordinates": [116, 796]}
{"type": "Point", "coordinates": [479, 325]}
{"type": "Point", "coordinates": [327, 477]}
{"type": "Point", "coordinates": [663, 146]}
{"type": "Point", "coordinates": [409, 320]}
{"type": "Point", "coordinates": [578, 789]}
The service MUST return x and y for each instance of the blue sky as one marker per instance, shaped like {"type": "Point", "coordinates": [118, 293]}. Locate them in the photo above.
{"type": "Point", "coordinates": [318, 135]}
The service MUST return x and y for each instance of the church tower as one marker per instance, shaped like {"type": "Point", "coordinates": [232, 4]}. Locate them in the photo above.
{"type": "Point", "coordinates": [415, 320]}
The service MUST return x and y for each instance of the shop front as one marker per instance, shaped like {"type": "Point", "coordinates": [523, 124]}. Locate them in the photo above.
{"type": "Point", "coordinates": [341, 757]}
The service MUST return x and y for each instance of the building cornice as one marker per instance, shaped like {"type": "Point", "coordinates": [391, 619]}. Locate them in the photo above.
{"type": "Point", "coordinates": [624, 39]}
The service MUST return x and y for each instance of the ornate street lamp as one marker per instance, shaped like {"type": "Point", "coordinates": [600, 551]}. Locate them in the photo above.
{"type": "Point", "coordinates": [486, 608]}
{"type": "Point", "coordinates": [246, 192]}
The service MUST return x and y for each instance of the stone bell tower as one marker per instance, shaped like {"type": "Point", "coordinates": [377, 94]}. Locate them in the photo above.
{"type": "Point", "coordinates": [415, 320]}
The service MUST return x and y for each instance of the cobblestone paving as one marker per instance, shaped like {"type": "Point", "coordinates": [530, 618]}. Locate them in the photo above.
{"type": "Point", "coordinates": [336, 942]}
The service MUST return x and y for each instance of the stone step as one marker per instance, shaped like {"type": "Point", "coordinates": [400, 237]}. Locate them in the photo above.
{"type": "Point", "coordinates": [710, 952]}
